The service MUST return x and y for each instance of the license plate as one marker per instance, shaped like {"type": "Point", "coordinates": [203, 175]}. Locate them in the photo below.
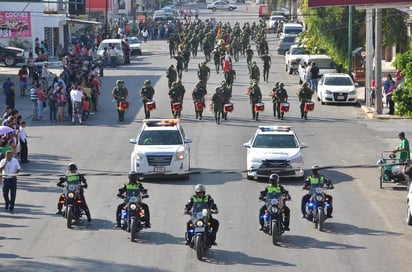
{"type": "Point", "coordinates": [341, 97]}
{"type": "Point", "coordinates": [159, 169]}
{"type": "Point", "coordinates": [199, 229]}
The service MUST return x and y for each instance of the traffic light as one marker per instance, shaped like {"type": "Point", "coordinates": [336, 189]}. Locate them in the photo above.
{"type": "Point", "coordinates": [77, 7]}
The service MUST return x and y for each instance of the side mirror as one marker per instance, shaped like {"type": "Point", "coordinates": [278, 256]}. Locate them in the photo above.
{"type": "Point", "coordinates": [303, 145]}
{"type": "Point", "coordinates": [247, 145]}
{"type": "Point", "coordinates": [133, 141]}
{"type": "Point", "coordinates": [188, 140]}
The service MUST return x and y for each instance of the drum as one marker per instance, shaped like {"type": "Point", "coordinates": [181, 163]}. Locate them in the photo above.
{"type": "Point", "coordinates": [259, 107]}
{"type": "Point", "coordinates": [309, 106]}
{"type": "Point", "coordinates": [123, 105]}
{"type": "Point", "coordinates": [228, 107]}
{"type": "Point", "coordinates": [151, 105]}
{"type": "Point", "coordinates": [199, 106]}
{"type": "Point", "coordinates": [284, 107]}
{"type": "Point", "coordinates": [177, 106]}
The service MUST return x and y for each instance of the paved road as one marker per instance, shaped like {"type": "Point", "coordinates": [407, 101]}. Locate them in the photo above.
{"type": "Point", "coordinates": [368, 231]}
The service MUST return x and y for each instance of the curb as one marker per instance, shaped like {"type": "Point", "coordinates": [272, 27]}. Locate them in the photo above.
{"type": "Point", "coordinates": [372, 115]}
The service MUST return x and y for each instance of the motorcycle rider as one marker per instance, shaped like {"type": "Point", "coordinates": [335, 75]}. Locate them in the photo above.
{"type": "Point", "coordinates": [132, 184]}
{"type": "Point", "coordinates": [316, 180]}
{"type": "Point", "coordinates": [73, 176]}
{"type": "Point", "coordinates": [275, 187]}
{"type": "Point", "coordinates": [201, 196]}
{"type": "Point", "coordinates": [147, 93]}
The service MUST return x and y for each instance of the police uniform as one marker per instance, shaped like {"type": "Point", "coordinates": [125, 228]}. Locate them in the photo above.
{"type": "Point", "coordinates": [275, 189]}
{"type": "Point", "coordinates": [317, 181]}
{"type": "Point", "coordinates": [138, 187]}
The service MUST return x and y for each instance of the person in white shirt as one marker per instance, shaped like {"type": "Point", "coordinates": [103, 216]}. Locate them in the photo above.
{"type": "Point", "coordinates": [23, 142]}
{"type": "Point", "coordinates": [9, 166]}
{"type": "Point", "coordinates": [113, 56]}
{"type": "Point", "coordinates": [76, 96]}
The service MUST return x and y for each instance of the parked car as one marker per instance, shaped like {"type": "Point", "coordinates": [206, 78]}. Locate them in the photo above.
{"type": "Point", "coordinates": [10, 56]}
{"type": "Point", "coordinates": [108, 43]}
{"type": "Point", "coordinates": [221, 5]}
{"type": "Point", "coordinates": [274, 149]}
{"type": "Point", "coordinates": [337, 88]}
{"type": "Point", "coordinates": [135, 46]}
{"type": "Point", "coordinates": [293, 56]}
{"type": "Point", "coordinates": [292, 28]}
{"type": "Point", "coordinates": [324, 63]}
{"type": "Point", "coordinates": [285, 42]}
{"type": "Point", "coordinates": [275, 21]}
{"type": "Point", "coordinates": [161, 149]}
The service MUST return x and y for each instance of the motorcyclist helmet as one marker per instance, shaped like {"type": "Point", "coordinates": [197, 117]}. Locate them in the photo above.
{"type": "Point", "coordinates": [200, 188]}
{"type": "Point", "coordinates": [133, 176]}
{"type": "Point", "coordinates": [147, 82]}
{"type": "Point", "coordinates": [315, 169]}
{"type": "Point", "coordinates": [274, 178]}
{"type": "Point", "coordinates": [72, 166]}
{"type": "Point", "coordinates": [119, 81]}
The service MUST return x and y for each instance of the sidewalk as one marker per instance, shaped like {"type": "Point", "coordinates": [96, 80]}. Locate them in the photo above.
{"type": "Point", "coordinates": [370, 112]}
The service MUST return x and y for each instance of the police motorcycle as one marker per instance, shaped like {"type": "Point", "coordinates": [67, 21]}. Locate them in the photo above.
{"type": "Point", "coordinates": [317, 205]}
{"type": "Point", "coordinates": [73, 202]}
{"type": "Point", "coordinates": [273, 216]}
{"type": "Point", "coordinates": [200, 229]}
{"type": "Point", "coordinates": [132, 215]}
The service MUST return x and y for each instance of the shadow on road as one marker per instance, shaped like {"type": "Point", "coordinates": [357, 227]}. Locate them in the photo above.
{"type": "Point", "coordinates": [305, 242]}
{"type": "Point", "coordinates": [224, 257]}
{"type": "Point", "coordinates": [348, 229]}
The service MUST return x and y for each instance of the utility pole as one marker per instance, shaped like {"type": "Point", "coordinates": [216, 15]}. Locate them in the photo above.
{"type": "Point", "coordinates": [350, 25]}
{"type": "Point", "coordinates": [378, 60]}
{"type": "Point", "coordinates": [106, 21]}
{"type": "Point", "coordinates": [369, 54]}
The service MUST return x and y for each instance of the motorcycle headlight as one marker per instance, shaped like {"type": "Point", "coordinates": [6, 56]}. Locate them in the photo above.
{"type": "Point", "coordinates": [70, 195]}
{"type": "Point", "coordinates": [133, 206]}
{"type": "Point", "coordinates": [180, 154]}
{"type": "Point", "coordinates": [199, 223]}
{"type": "Point", "coordinates": [274, 209]}
{"type": "Point", "coordinates": [138, 156]}
{"type": "Point", "coordinates": [319, 197]}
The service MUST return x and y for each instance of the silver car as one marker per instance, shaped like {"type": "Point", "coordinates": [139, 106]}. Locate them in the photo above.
{"type": "Point", "coordinates": [222, 5]}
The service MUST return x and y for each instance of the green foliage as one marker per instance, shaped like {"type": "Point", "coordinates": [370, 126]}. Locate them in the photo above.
{"type": "Point", "coordinates": [20, 43]}
{"type": "Point", "coordinates": [403, 94]}
{"type": "Point", "coordinates": [327, 30]}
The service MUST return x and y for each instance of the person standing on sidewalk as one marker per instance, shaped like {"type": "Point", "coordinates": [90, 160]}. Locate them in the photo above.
{"type": "Point", "coordinates": [23, 143]}
{"type": "Point", "coordinates": [41, 98]}
{"type": "Point", "coordinates": [76, 96]}
{"type": "Point", "coordinates": [33, 98]}
{"type": "Point", "coordinates": [23, 76]}
{"type": "Point", "coordinates": [9, 166]}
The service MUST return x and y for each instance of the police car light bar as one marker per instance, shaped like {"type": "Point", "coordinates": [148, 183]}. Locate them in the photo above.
{"type": "Point", "coordinates": [275, 128]}
{"type": "Point", "coordinates": [161, 122]}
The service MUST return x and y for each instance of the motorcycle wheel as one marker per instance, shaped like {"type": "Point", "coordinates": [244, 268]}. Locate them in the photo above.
{"type": "Point", "coordinates": [133, 229]}
{"type": "Point", "coordinates": [199, 247]}
{"type": "Point", "coordinates": [69, 216]}
{"type": "Point", "coordinates": [321, 218]}
{"type": "Point", "coordinates": [275, 233]}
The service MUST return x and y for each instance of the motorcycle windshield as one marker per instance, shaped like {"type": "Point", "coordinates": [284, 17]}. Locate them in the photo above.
{"type": "Point", "coordinates": [198, 208]}
{"type": "Point", "coordinates": [316, 189]}
{"type": "Point", "coordinates": [273, 199]}
{"type": "Point", "coordinates": [133, 196]}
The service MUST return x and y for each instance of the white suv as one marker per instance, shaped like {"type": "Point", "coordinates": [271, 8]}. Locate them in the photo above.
{"type": "Point", "coordinates": [274, 149]}
{"type": "Point", "coordinates": [409, 208]}
{"type": "Point", "coordinates": [161, 149]}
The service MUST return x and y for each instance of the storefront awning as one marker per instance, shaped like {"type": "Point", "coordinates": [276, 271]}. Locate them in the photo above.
{"type": "Point", "coordinates": [83, 21]}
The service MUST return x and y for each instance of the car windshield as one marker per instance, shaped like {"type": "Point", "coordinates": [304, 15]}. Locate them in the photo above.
{"type": "Point", "coordinates": [325, 64]}
{"type": "Point", "coordinates": [133, 41]}
{"type": "Point", "coordinates": [160, 137]}
{"type": "Point", "coordinates": [109, 45]}
{"type": "Point", "coordinates": [299, 51]}
{"type": "Point", "coordinates": [291, 30]}
{"type": "Point", "coordinates": [289, 39]}
{"type": "Point", "coordinates": [275, 141]}
{"type": "Point", "coordinates": [338, 81]}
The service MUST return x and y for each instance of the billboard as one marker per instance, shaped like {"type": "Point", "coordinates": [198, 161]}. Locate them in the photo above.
{"type": "Point", "coordinates": [14, 24]}
{"type": "Point", "coordinates": [323, 3]}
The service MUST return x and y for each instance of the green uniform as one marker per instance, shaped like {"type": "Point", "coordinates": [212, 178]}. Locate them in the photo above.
{"type": "Point", "coordinates": [120, 94]}
{"type": "Point", "coordinates": [255, 73]}
{"type": "Point", "coordinates": [304, 94]}
{"type": "Point", "coordinates": [266, 66]}
{"type": "Point", "coordinates": [146, 93]}
{"type": "Point", "coordinates": [281, 96]}
{"type": "Point", "coordinates": [217, 100]}
{"type": "Point", "coordinates": [255, 96]}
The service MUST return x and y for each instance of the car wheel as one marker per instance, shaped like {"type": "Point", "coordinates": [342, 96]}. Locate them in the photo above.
{"type": "Point", "coordinates": [139, 52]}
{"type": "Point", "coordinates": [409, 216]}
{"type": "Point", "coordinates": [9, 61]}
{"type": "Point", "coordinates": [214, 9]}
{"type": "Point", "coordinates": [230, 9]}
{"type": "Point", "coordinates": [300, 81]}
{"type": "Point", "coordinates": [290, 71]}
{"type": "Point", "coordinates": [250, 177]}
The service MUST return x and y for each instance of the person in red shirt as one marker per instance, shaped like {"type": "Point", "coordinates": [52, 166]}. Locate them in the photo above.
{"type": "Point", "coordinates": [23, 76]}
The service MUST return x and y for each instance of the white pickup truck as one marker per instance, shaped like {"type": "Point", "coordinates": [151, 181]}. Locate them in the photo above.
{"type": "Point", "coordinates": [293, 56]}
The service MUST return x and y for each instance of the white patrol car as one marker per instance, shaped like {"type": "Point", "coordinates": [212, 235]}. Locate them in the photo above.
{"type": "Point", "coordinates": [161, 149]}
{"type": "Point", "coordinates": [274, 149]}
